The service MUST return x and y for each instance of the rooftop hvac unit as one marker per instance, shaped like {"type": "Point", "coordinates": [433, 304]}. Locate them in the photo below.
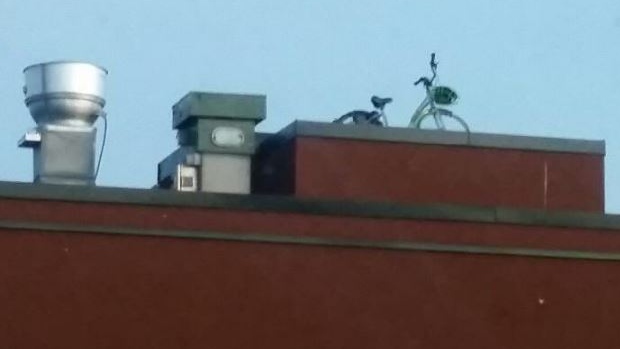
{"type": "Point", "coordinates": [215, 133]}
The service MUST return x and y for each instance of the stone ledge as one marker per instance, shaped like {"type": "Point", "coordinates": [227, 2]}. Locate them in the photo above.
{"type": "Point", "coordinates": [287, 204]}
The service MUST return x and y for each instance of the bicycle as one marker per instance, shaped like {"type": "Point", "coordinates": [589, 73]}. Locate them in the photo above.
{"type": "Point", "coordinates": [363, 117]}
{"type": "Point", "coordinates": [435, 95]}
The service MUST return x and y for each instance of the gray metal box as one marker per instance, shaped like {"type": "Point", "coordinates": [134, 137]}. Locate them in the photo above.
{"type": "Point", "coordinates": [225, 173]}
{"type": "Point", "coordinates": [65, 155]}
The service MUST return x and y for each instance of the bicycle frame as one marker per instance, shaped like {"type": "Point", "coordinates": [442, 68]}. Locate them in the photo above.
{"type": "Point", "coordinates": [438, 114]}
{"type": "Point", "coordinates": [382, 116]}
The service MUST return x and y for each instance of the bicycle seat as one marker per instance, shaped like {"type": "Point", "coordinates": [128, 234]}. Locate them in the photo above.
{"type": "Point", "coordinates": [379, 102]}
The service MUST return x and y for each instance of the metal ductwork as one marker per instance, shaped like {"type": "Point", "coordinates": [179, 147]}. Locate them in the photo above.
{"type": "Point", "coordinates": [65, 99]}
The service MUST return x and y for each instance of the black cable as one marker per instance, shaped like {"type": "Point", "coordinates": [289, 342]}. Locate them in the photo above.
{"type": "Point", "coordinates": [105, 135]}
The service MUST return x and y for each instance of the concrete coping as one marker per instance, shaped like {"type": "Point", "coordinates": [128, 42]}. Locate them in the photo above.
{"type": "Point", "coordinates": [289, 204]}
{"type": "Point", "coordinates": [436, 137]}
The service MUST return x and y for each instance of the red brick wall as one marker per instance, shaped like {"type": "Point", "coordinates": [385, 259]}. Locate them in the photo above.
{"type": "Point", "coordinates": [413, 173]}
{"type": "Point", "coordinates": [95, 291]}
{"type": "Point", "coordinates": [297, 224]}
{"type": "Point", "coordinates": [71, 290]}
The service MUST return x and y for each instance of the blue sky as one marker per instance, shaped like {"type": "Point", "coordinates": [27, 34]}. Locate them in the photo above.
{"type": "Point", "coordinates": [546, 68]}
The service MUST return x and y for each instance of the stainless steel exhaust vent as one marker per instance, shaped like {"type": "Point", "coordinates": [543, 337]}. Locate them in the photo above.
{"type": "Point", "coordinates": [65, 99]}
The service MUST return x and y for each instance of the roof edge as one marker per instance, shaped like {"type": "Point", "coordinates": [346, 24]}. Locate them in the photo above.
{"type": "Point", "coordinates": [287, 204]}
{"type": "Point", "coordinates": [299, 128]}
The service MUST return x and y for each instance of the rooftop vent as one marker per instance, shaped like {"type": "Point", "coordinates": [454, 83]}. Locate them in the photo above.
{"type": "Point", "coordinates": [215, 133]}
{"type": "Point", "coordinates": [65, 99]}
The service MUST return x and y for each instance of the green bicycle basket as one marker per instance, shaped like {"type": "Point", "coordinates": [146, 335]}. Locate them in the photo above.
{"type": "Point", "coordinates": [444, 95]}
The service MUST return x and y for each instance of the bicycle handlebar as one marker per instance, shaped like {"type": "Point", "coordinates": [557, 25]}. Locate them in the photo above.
{"type": "Point", "coordinates": [429, 82]}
